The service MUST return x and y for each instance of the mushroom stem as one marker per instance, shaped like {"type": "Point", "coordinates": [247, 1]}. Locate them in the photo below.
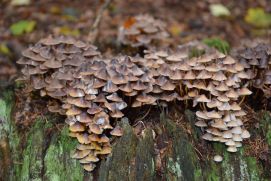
{"type": "Point", "coordinates": [186, 103]}
{"type": "Point", "coordinates": [243, 98]}
{"type": "Point", "coordinates": [265, 87]}
{"type": "Point", "coordinates": [181, 90]}
{"type": "Point", "coordinates": [202, 106]}
{"type": "Point", "coordinates": [130, 100]}
{"type": "Point", "coordinates": [186, 90]}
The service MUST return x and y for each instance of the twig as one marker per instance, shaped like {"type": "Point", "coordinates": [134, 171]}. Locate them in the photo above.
{"type": "Point", "coordinates": [94, 28]}
{"type": "Point", "coordinates": [140, 119]}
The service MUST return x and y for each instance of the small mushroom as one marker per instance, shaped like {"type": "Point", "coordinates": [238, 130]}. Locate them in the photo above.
{"type": "Point", "coordinates": [218, 158]}
{"type": "Point", "coordinates": [117, 131]}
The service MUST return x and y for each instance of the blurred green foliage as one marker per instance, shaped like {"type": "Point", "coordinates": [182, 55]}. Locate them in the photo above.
{"type": "Point", "coordinates": [4, 49]}
{"type": "Point", "coordinates": [195, 52]}
{"type": "Point", "coordinates": [217, 43]}
{"type": "Point", "coordinates": [258, 17]}
{"type": "Point", "coordinates": [21, 27]}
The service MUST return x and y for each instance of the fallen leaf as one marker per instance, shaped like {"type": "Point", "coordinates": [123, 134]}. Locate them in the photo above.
{"type": "Point", "coordinates": [68, 31]}
{"type": "Point", "coordinates": [129, 22]}
{"type": "Point", "coordinates": [23, 26]}
{"type": "Point", "coordinates": [219, 10]}
{"type": "Point", "coordinates": [4, 49]}
{"type": "Point", "coordinates": [176, 29]}
{"type": "Point", "coordinates": [20, 2]}
{"type": "Point", "coordinates": [258, 17]}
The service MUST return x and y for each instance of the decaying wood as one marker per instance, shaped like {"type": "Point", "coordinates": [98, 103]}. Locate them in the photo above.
{"type": "Point", "coordinates": [164, 152]}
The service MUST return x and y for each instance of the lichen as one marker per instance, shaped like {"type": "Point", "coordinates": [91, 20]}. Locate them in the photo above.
{"type": "Point", "coordinates": [174, 168]}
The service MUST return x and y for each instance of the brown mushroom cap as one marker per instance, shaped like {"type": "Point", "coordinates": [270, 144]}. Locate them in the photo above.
{"type": "Point", "coordinates": [89, 167]}
{"type": "Point", "coordinates": [77, 127]}
{"type": "Point", "coordinates": [117, 131]}
{"type": "Point", "coordinates": [94, 128]}
{"type": "Point", "coordinates": [83, 138]}
{"type": "Point", "coordinates": [89, 159]}
{"type": "Point", "coordinates": [79, 154]}
{"type": "Point", "coordinates": [105, 151]}
{"type": "Point", "coordinates": [114, 97]}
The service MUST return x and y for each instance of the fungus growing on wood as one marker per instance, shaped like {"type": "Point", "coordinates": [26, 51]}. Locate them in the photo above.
{"type": "Point", "coordinates": [212, 81]}
{"type": "Point", "coordinates": [257, 63]}
{"type": "Point", "coordinates": [93, 89]}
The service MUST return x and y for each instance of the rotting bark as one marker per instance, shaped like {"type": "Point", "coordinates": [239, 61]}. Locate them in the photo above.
{"type": "Point", "coordinates": [164, 152]}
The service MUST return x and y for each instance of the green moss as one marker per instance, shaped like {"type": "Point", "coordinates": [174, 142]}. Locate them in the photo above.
{"type": "Point", "coordinates": [213, 172]}
{"type": "Point", "coordinates": [253, 169]}
{"type": "Point", "coordinates": [6, 103]}
{"type": "Point", "coordinates": [32, 155]}
{"type": "Point", "coordinates": [8, 130]}
{"type": "Point", "coordinates": [268, 127]}
{"type": "Point", "coordinates": [184, 163]}
{"type": "Point", "coordinates": [219, 44]}
{"type": "Point", "coordinates": [145, 157]}
{"type": "Point", "coordinates": [265, 125]}
{"type": "Point", "coordinates": [120, 165]}
{"type": "Point", "coordinates": [194, 52]}
{"type": "Point", "coordinates": [198, 174]}
{"type": "Point", "coordinates": [191, 117]}
{"type": "Point", "coordinates": [58, 163]}
{"type": "Point", "coordinates": [268, 135]}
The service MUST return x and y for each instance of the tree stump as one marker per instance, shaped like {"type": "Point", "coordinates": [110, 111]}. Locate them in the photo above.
{"type": "Point", "coordinates": [165, 151]}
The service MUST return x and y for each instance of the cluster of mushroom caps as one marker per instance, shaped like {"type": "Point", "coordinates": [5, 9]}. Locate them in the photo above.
{"type": "Point", "coordinates": [213, 82]}
{"type": "Point", "coordinates": [142, 30]}
{"type": "Point", "coordinates": [92, 91]}
{"type": "Point", "coordinates": [88, 89]}
{"type": "Point", "coordinates": [258, 60]}
{"type": "Point", "coordinates": [52, 66]}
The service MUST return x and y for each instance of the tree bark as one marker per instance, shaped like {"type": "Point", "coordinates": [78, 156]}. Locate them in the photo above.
{"type": "Point", "coordinates": [165, 151]}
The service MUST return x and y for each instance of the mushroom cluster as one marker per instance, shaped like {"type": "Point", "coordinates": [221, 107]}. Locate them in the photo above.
{"type": "Point", "coordinates": [212, 81]}
{"type": "Point", "coordinates": [86, 88]}
{"type": "Point", "coordinates": [93, 91]}
{"type": "Point", "coordinates": [51, 63]}
{"type": "Point", "coordinates": [142, 30]}
{"type": "Point", "coordinates": [50, 66]}
{"type": "Point", "coordinates": [257, 60]}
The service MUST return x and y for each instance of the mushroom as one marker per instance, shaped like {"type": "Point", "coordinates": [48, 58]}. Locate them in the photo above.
{"type": "Point", "coordinates": [89, 167]}
{"type": "Point", "coordinates": [117, 131]}
{"type": "Point", "coordinates": [218, 158]}
{"type": "Point", "coordinates": [77, 127]}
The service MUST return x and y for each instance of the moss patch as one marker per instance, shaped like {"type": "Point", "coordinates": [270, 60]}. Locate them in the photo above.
{"type": "Point", "coordinates": [57, 161]}
{"type": "Point", "coordinates": [33, 153]}
{"type": "Point", "coordinates": [182, 163]}
{"type": "Point", "coordinates": [8, 130]}
{"type": "Point", "coordinates": [120, 165]}
{"type": "Point", "coordinates": [145, 166]}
